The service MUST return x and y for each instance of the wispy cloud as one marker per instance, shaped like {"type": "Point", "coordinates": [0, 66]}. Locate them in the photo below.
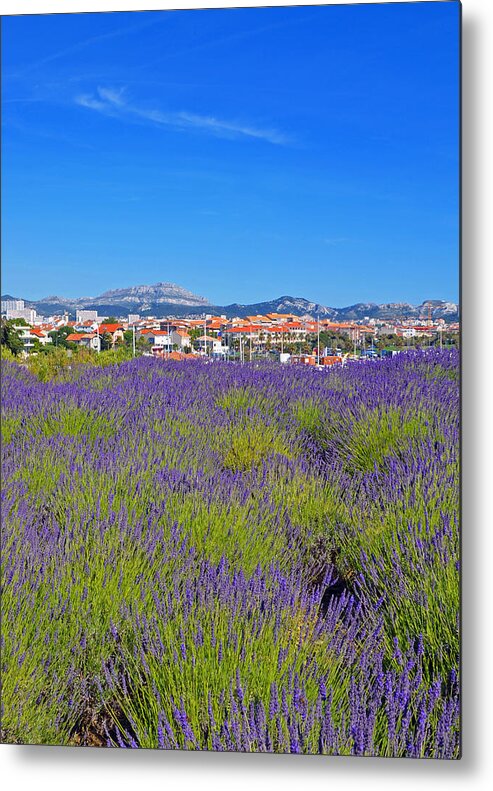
{"type": "Point", "coordinates": [335, 240]}
{"type": "Point", "coordinates": [111, 102]}
{"type": "Point", "coordinates": [89, 42]}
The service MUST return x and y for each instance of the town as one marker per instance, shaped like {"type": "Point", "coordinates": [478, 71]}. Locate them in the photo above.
{"type": "Point", "coordinates": [285, 337]}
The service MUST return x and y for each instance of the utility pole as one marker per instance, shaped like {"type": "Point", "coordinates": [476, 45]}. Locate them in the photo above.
{"type": "Point", "coordinates": [318, 339]}
{"type": "Point", "coordinates": [133, 340]}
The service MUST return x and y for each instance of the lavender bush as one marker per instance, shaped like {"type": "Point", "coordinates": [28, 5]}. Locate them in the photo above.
{"type": "Point", "coordinates": [233, 557]}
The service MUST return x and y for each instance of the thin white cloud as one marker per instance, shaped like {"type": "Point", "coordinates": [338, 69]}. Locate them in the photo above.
{"type": "Point", "coordinates": [112, 96]}
{"type": "Point", "coordinates": [91, 103]}
{"type": "Point", "coordinates": [88, 42]}
{"type": "Point", "coordinates": [335, 240]}
{"type": "Point", "coordinates": [111, 102]}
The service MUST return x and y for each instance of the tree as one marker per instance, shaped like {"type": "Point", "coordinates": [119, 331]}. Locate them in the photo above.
{"type": "Point", "coordinates": [110, 320]}
{"type": "Point", "coordinates": [143, 344]}
{"type": "Point", "coordinates": [195, 332]}
{"type": "Point", "coordinates": [106, 341]}
{"type": "Point", "coordinates": [59, 336]}
{"type": "Point", "coordinates": [10, 338]}
{"type": "Point", "coordinates": [128, 338]}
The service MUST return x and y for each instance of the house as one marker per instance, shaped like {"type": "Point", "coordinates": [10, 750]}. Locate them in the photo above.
{"type": "Point", "coordinates": [85, 340]}
{"type": "Point", "coordinates": [29, 336]}
{"type": "Point", "coordinates": [43, 337]}
{"type": "Point", "coordinates": [181, 338]}
{"type": "Point", "coordinates": [281, 317]}
{"type": "Point", "coordinates": [251, 330]}
{"type": "Point", "coordinates": [296, 329]}
{"type": "Point", "coordinates": [387, 329]}
{"type": "Point", "coordinates": [114, 330]}
{"type": "Point", "coordinates": [159, 339]}
{"type": "Point", "coordinates": [258, 319]}
{"type": "Point", "coordinates": [207, 343]}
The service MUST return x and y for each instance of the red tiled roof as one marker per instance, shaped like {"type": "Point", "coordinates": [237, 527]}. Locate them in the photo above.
{"type": "Point", "coordinates": [109, 327]}
{"type": "Point", "coordinates": [77, 336]}
{"type": "Point", "coordinates": [246, 329]}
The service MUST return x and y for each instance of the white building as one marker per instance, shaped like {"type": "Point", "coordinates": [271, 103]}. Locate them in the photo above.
{"type": "Point", "coordinates": [181, 339]}
{"type": "Point", "coordinates": [159, 339]}
{"type": "Point", "coordinates": [208, 344]}
{"type": "Point", "coordinates": [28, 314]}
{"type": "Point", "coordinates": [87, 340]}
{"type": "Point", "coordinates": [29, 336]}
{"type": "Point", "coordinates": [12, 304]}
{"type": "Point", "coordinates": [86, 315]}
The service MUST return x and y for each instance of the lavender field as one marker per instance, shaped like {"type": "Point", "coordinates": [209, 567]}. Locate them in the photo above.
{"type": "Point", "coordinates": [233, 557]}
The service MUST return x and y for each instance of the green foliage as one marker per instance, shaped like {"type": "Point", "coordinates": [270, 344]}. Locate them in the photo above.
{"type": "Point", "coordinates": [379, 434]}
{"type": "Point", "coordinates": [106, 341]}
{"type": "Point", "coordinates": [195, 332]}
{"type": "Point", "coordinates": [56, 363]}
{"type": "Point", "coordinates": [59, 337]}
{"type": "Point", "coordinates": [9, 338]}
{"type": "Point", "coordinates": [50, 365]}
{"type": "Point", "coordinates": [6, 354]}
{"type": "Point", "coordinates": [334, 340]}
{"type": "Point", "coordinates": [247, 446]}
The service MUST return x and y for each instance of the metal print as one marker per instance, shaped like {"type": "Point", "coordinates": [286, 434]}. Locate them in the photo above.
{"type": "Point", "coordinates": [230, 476]}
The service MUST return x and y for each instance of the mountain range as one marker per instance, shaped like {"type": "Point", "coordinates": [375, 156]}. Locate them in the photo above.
{"type": "Point", "coordinates": [169, 299]}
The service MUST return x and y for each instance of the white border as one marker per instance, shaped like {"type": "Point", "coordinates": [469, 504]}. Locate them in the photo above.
{"type": "Point", "coordinates": [74, 768]}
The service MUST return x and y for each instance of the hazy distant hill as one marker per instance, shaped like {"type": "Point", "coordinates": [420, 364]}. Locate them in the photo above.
{"type": "Point", "coordinates": [303, 307]}
{"type": "Point", "coordinates": [155, 295]}
{"type": "Point", "coordinates": [169, 299]}
{"type": "Point", "coordinates": [138, 297]}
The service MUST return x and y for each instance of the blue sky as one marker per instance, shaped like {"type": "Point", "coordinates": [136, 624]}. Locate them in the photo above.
{"type": "Point", "coordinates": [242, 153]}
